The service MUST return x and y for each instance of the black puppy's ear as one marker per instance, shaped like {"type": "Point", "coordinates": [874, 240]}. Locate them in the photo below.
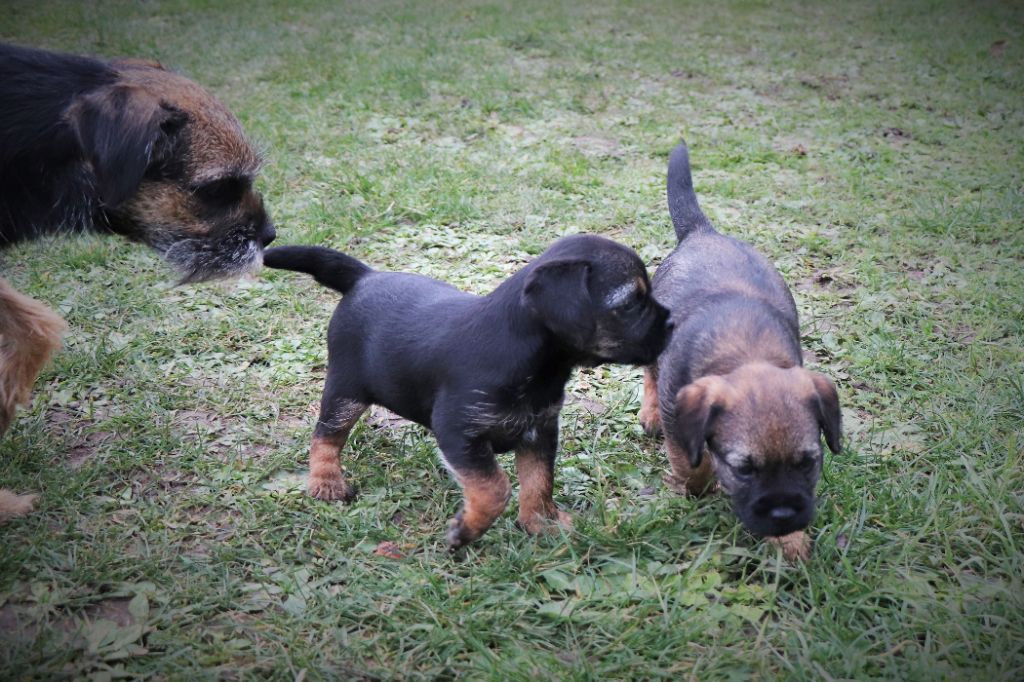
{"type": "Point", "coordinates": [697, 407]}
{"type": "Point", "coordinates": [121, 130]}
{"type": "Point", "coordinates": [829, 416]}
{"type": "Point", "coordinates": [558, 294]}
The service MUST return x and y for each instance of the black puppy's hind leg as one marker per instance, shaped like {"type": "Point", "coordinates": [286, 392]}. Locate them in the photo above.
{"type": "Point", "coordinates": [338, 415]}
{"type": "Point", "coordinates": [535, 465]}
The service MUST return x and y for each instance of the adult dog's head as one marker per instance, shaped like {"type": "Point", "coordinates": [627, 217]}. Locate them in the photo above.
{"type": "Point", "coordinates": [128, 146]}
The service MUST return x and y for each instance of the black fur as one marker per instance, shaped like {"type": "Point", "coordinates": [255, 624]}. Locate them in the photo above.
{"type": "Point", "coordinates": [43, 179]}
{"type": "Point", "coordinates": [87, 144]}
{"type": "Point", "coordinates": [485, 373]}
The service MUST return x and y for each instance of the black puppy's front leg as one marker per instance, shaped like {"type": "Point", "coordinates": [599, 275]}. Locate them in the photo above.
{"type": "Point", "coordinates": [485, 488]}
{"type": "Point", "coordinates": [535, 465]}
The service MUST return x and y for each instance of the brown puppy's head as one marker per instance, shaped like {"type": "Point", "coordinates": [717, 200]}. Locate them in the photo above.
{"type": "Point", "coordinates": [762, 425]}
{"type": "Point", "coordinates": [594, 296]}
{"type": "Point", "coordinates": [173, 169]}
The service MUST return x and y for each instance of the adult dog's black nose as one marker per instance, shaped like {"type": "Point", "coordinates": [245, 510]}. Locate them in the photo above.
{"type": "Point", "coordinates": [268, 234]}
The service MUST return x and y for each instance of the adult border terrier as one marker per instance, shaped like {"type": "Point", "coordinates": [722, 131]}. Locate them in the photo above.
{"type": "Point", "coordinates": [486, 374]}
{"type": "Point", "coordinates": [729, 391]}
{"type": "Point", "coordinates": [120, 146]}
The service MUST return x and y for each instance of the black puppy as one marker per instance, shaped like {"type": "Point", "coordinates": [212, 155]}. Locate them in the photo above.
{"type": "Point", "coordinates": [731, 378]}
{"type": "Point", "coordinates": [485, 374]}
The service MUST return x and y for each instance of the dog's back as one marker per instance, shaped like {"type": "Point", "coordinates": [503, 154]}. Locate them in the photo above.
{"type": "Point", "coordinates": [715, 285]}
{"type": "Point", "coordinates": [36, 88]}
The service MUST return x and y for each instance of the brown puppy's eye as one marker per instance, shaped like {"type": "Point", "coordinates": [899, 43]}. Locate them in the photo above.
{"type": "Point", "coordinates": [222, 191]}
{"type": "Point", "coordinates": [806, 462]}
{"type": "Point", "coordinates": [745, 470]}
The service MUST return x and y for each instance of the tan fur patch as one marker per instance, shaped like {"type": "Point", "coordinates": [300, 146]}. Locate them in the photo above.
{"type": "Point", "coordinates": [537, 510]}
{"type": "Point", "coordinates": [795, 546]}
{"type": "Point", "coordinates": [326, 480]}
{"type": "Point", "coordinates": [684, 479]}
{"type": "Point", "coordinates": [650, 413]}
{"type": "Point", "coordinates": [29, 334]}
{"type": "Point", "coordinates": [12, 505]}
{"type": "Point", "coordinates": [485, 499]}
{"type": "Point", "coordinates": [216, 133]}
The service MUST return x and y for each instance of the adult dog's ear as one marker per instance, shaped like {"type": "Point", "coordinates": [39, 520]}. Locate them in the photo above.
{"type": "Point", "coordinates": [698, 405]}
{"type": "Point", "coordinates": [121, 130]}
{"type": "Point", "coordinates": [829, 416]}
{"type": "Point", "coordinates": [558, 295]}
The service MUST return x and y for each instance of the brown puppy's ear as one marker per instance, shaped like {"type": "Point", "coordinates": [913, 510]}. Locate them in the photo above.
{"type": "Point", "coordinates": [558, 294]}
{"type": "Point", "coordinates": [697, 407]}
{"type": "Point", "coordinates": [120, 130]}
{"type": "Point", "coordinates": [829, 417]}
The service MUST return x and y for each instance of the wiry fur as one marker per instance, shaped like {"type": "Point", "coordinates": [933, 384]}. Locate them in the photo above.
{"type": "Point", "coordinates": [122, 146]}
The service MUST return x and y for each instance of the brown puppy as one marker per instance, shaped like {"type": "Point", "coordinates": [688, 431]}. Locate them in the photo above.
{"type": "Point", "coordinates": [125, 147]}
{"type": "Point", "coordinates": [731, 380]}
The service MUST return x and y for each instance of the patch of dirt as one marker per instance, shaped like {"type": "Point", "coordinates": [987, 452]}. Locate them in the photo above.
{"type": "Point", "coordinates": [382, 418]}
{"type": "Point", "coordinates": [111, 609]}
{"type": "Point", "coordinates": [85, 449]}
{"type": "Point", "coordinates": [192, 421]}
{"type": "Point", "coordinates": [597, 146]}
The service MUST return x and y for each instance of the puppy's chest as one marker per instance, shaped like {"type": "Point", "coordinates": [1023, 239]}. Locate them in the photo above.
{"type": "Point", "coordinates": [513, 418]}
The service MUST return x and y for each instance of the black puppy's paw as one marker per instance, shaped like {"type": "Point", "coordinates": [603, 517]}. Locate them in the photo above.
{"type": "Point", "coordinates": [330, 489]}
{"type": "Point", "coordinates": [459, 535]}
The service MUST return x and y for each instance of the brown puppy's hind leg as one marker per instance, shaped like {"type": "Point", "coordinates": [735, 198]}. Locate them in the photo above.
{"type": "Point", "coordinates": [326, 480]}
{"type": "Point", "coordinates": [650, 414]}
{"type": "Point", "coordinates": [685, 479]}
{"type": "Point", "coordinates": [537, 510]}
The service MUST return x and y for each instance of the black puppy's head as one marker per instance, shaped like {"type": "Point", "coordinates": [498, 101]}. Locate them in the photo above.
{"type": "Point", "coordinates": [173, 169]}
{"type": "Point", "coordinates": [762, 425]}
{"type": "Point", "coordinates": [594, 295]}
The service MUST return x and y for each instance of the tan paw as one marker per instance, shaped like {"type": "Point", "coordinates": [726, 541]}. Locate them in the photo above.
{"type": "Point", "coordinates": [539, 524]}
{"type": "Point", "coordinates": [650, 419]}
{"type": "Point", "coordinates": [795, 546]}
{"type": "Point", "coordinates": [330, 488]}
{"type": "Point", "coordinates": [677, 485]}
{"type": "Point", "coordinates": [12, 505]}
{"type": "Point", "coordinates": [459, 534]}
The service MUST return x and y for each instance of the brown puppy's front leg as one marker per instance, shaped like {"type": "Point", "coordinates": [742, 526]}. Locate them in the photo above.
{"type": "Point", "coordinates": [650, 415]}
{"type": "Point", "coordinates": [535, 464]}
{"type": "Point", "coordinates": [685, 479]}
{"type": "Point", "coordinates": [326, 481]}
{"type": "Point", "coordinates": [795, 546]}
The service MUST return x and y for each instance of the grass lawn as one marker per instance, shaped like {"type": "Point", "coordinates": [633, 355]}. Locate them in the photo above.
{"type": "Point", "coordinates": [874, 151]}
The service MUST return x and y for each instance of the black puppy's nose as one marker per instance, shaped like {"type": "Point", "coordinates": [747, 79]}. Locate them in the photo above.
{"type": "Point", "coordinates": [268, 234]}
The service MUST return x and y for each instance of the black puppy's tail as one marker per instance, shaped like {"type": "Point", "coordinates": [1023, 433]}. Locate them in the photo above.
{"type": "Point", "coordinates": [682, 200]}
{"type": "Point", "coordinates": [329, 267]}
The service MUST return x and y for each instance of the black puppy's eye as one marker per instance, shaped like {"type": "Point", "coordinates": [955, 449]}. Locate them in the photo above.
{"type": "Point", "coordinates": [222, 191]}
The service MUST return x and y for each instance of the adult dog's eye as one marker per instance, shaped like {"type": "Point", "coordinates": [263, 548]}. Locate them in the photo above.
{"type": "Point", "coordinates": [807, 462]}
{"type": "Point", "coordinates": [222, 191]}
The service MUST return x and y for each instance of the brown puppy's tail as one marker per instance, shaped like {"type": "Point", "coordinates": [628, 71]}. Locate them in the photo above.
{"type": "Point", "coordinates": [682, 200]}
{"type": "Point", "coordinates": [329, 267]}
